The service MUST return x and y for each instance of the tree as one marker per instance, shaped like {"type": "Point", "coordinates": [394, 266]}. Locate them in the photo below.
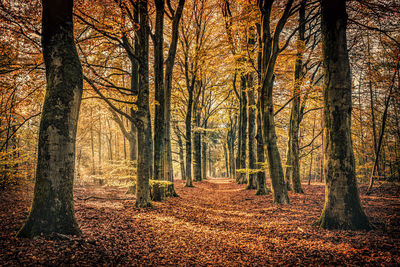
{"type": "Point", "coordinates": [163, 87]}
{"type": "Point", "coordinates": [293, 168]}
{"type": "Point", "coordinates": [342, 209]}
{"type": "Point", "coordinates": [159, 109]}
{"type": "Point", "coordinates": [52, 208]}
{"type": "Point", "coordinates": [241, 177]}
{"type": "Point", "coordinates": [169, 66]}
{"type": "Point", "coordinates": [194, 45]}
{"type": "Point", "coordinates": [251, 183]}
{"type": "Point", "coordinates": [197, 164]}
{"type": "Point", "coordinates": [142, 121]}
{"type": "Point", "coordinates": [270, 51]}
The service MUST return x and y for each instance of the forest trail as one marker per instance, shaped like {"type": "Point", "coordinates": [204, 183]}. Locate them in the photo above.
{"type": "Point", "coordinates": [216, 223]}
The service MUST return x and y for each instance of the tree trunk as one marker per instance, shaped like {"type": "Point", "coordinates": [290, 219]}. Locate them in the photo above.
{"type": "Point", "coordinates": [270, 46]}
{"type": "Point", "coordinates": [242, 176]}
{"type": "Point", "coordinates": [93, 170]}
{"type": "Point", "coordinates": [279, 189]}
{"type": "Point", "coordinates": [322, 163]}
{"type": "Point", "coordinates": [189, 182]}
{"type": "Point", "coordinates": [133, 138]}
{"type": "Point", "coordinates": [133, 146]}
{"type": "Point", "coordinates": [109, 142]}
{"type": "Point", "coordinates": [143, 113]}
{"type": "Point", "coordinates": [180, 145]}
{"type": "Point", "coordinates": [159, 109]}
{"type": "Point", "coordinates": [251, 184]}
{"type": "Point", "coordinates": [78, 166]}
{"type": "Point", "coordinates": [169, 66]}
{"type": "Point", "coordinates": [312, 154]}
{"type": "Point", "coordinates": [293, 144]}
{"type": "Point", "coordinates": [231, 148]}
{"type": "Point", "coordinates": [197, 146]}
{"type": "Point", "coordinates": [261, 183]}
{"type": "Point", "coordinates": [100, 145]}
{"type": "Point", "coordinates": [204, 156]}
{"type": "Point", "coordinates": [52, 208]}
{"type": "Point", "coordinates": [289, 169]}
{"type": "Point", "coordinates": [211, 170]}
{"type": "Point", "coordinates": [226, 160]}
{"type": "Point", "coordinates": [342, 208]}
{"type": "Point", "coordinates": [239, 143]}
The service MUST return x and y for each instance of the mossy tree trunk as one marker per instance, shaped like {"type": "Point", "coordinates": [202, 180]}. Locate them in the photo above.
{"type": "Point", "coordinates": [342, 208]}
{"type": "Point", "coordinates": [52, 208]}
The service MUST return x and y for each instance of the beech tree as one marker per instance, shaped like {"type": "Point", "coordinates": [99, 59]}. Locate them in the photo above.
{"type": "Point", "coordinates": [293, 168]}
{"type": "Point", "coordinates": [163, 86]}
{"type": "Point", "coordinates": [342, 209]}
{"type": "Point", "coordinates": [52, 208]}
{"type": "Point", "coordinates": [270, 51]}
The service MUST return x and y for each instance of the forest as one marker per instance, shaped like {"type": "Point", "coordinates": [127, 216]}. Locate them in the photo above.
{"type": "Point", "coordinates": [199, 132]}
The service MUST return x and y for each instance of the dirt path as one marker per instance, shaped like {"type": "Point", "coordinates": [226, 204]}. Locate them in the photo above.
{"type": "Point", "coordinates": [215, 223]}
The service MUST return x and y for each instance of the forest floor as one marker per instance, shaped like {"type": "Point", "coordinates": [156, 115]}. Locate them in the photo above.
{"type": "Point", "coordinates": [216, 223]}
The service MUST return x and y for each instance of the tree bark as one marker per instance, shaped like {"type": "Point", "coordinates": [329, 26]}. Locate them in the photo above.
{"type": "Point", "coordinates": [180, 145]}
{"type": "Point", "coordinates": [226, 160]}
{"type": "Point", "coordinates": [261, 183]}
{"type": "Point", "coordinates": [204, 156]}
{"type": "Point", "coordinates": [251, 183]}
{"type": "Point", "coordinates": [100, 146]}
{"type": "Point", "coordinates": [231, 147]}
{"type": "Point", "coordinates": [93, 170]}
{"type": "Point", "coordinates": [312, 154]}
{"type": "Point", "coordinates": [52, 208]}
{"type": "Point", "coordinates": [169, 66]}
{"type": "Point", "coordinates": [270, 51]}
{"type": "Point", "coordinates": [292, 165]}
{"type": "Point", "coordinates": [261, 179]}
{"type": "Point", "coordinates": [143, 113]}
{"type": "Point", "coordinates": [342, 209]}
{"type": "Point", "coordinates": [197, 146]}
{"type": "Point", "coordinates": [242, 176]}
{"type": "Point", "coordinates": [133, 146]}
{"type": "Point", "coordinates": [159, 109]}
{"type": "Point", "coordinates": [188, 122]}
{"type": "Point", "coordinates": [322, 163]}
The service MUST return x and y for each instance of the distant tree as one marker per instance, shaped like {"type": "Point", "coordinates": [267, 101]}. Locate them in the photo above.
{"type": "Point", "coordinates": [52, 208]}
